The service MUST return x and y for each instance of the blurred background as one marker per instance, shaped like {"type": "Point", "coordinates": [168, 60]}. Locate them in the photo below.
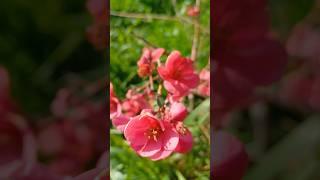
{"type": "Point", "coordinates": [276, 120]}
{"type": "Point", "coordinates": [52, 74]}
{"type": "Point", "coordinates": [166, 24]}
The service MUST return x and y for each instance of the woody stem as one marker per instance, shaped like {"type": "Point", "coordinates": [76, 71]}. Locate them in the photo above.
{"type": "Point", "coordinates": [151, 82]}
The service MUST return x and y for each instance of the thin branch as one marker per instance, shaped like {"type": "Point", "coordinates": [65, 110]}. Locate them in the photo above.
{"type": "Point", "coordinates": [144, 41]}
{"type": "Point", "coordinates": [144, 16]}
{"type": "Point", "coordinates": [158, 17]}
{"type": "Point", "coordinates": [196, 35]}
{"type": "Point", "coordinates": [174, 5]}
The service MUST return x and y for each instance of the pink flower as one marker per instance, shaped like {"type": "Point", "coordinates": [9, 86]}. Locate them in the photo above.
{"type": "Point", "coordinates": [120, 122]}
{"type": "Point", "coordinates": [204, 86]}
{"type": "Point", "coordinates": [17, 147]}
{"type": "Point", "coordinates": [304, 42]}
{"type": "Point", "coordinates": [178, 75]}
{"type": "Point", "coordinates": [176, 115]}
{"type": "Point", "coordinates": [61, 103]}
{"type": "Point", "coordinates": [230, 160]}
{"type": "Point", "coordinates": [134, 103]}
{"type": "Point", "coordinates": [115, 106]}
{"type": "Point", "coordinates": [245, 57]}
{"type": "Point", "coordinates": [6, 103]}
{"type": "Point", "coordinates": [301, 90]}
{"type": "Point", "coordinates": [150, 137]}
{"type": "Point", "coordinates": [193, 11]}
{"type": "Point", "coordinates": [147, 60]}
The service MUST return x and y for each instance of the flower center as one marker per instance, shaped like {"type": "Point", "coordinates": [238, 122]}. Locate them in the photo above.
{"type": "Point", "coordinates": [153, 133]}
{"type": "Point", "coordinates": [181, 129]}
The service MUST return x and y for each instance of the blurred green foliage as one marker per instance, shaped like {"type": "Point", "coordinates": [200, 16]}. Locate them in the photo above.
{"type": "Point", "coordinates": [126, 48]}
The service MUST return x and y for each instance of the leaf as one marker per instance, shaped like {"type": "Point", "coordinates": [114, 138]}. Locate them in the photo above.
{"type": "Point", "coordinates": [201, 110]}
{"type": "Point", "coordinates": [179, 175]}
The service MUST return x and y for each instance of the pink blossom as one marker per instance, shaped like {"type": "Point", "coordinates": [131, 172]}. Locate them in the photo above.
{"type": "Point", "coordinates": [147, 60]}
{"type": "Point", "coordinates": [6, 103]}
{"type": "Point", "coordinates": [193, 11]}
{"type": "Point", "coordinates": [246, 57]}
{"type": "Point", "coordinates": [150, 137]}
{"type": "Point", "coordinates": [304, 41]}
{"type": "Point", "coordinates": [71, 146]}
{"type": "Point", "coordinates": [61, 103]}
{"type": "Point", "coordinates": [176, 115]}
{"type": "Point", "coordinates": [204, 86]}
{"type": "Point", "coordinates": [301, 90]}
{"type": "Point", "coordinates": [230, 161]}
{"type": "Point", "coordinates": [120, 122]}
{"type": "Point", "coordinates": [178, 75]}
{"type": "Point", "coordinates": [115, 106]}
{"type": "Point", "coordinates": [134, 103]}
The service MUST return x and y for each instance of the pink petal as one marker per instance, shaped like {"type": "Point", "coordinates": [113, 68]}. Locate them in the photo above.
{"type": "Point", "coordinates": [229, 157]}
{"type": "Point", "coordinates": [163, 73]}
{"type": "Point", "coordinates": [185, 143]}
{"type": "Point", "coordinates": [172, 59]}
{"type": "Point", "coordinates": [177, 89]}
{"type": "Point", "coordinates": [120, 122]}
{"type": "Point", "coordinates": [191, 81]}
{"type": "Point", "coordinates": [178, 112]}
{"type": "Point", "coordinates": [157, 53]}
{"type": "Point", "coordinates": [151, 148]}
{"type": "Point", "coordinates": [134, 131]}
{"type": "Point", "coordinates": [161, 155]}
{"type": "Point", "coordinates": [170, 137]}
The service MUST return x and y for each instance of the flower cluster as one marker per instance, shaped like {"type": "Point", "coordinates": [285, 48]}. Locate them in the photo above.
{"type": "Point", "coordinates": [75, 137]}
{"type": "Point", "coordinates": [153, 121]}
{"type": "Point", "coordinates": [246, 57]}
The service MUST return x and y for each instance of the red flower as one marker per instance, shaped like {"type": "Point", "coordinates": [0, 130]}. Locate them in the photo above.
{"type": "Point", "coordinates": [176, 114]}
{"type": "Point", "coordinates": [304, 42]}
{"type": "Point", "coordinates": [245, 56]}
{"type": "Point", "coordinates": [150, 137]}
{"type": "Point", "coordinates": [179, 75]}
{"type": "Point", "coordinates": [230, 160]}
{"type": "Point", "coordinates": [204, 86]}
{"type": "Point", "coordinates": [115, 106]}
{"type": "Point", "coordinates": [134, 103]}
{"type": "Point", "coordinates": [193, 11]}
{"type": "Point", "coordinates": [120, 122]}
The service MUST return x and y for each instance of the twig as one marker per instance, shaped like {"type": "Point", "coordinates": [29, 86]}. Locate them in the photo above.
{"type": "Point", "coordinates": [151, 82]}
{"type": "Point", "coordinates": [258, 113]}
{"type": "Point", "coordinates": [196, 35]}
{"type": "Point", "coordinates": [158, 17]}
{"type": "Point", "coordinates": [174, 5]}
{"type": "Point", "coordinates": [159, 89]}
{"type": "Point", "coordinates": [144, 16]}
{"type": "Point", "coordinates": [146, 42]}
{"type": "Point", "coordinates": [194, 49]}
